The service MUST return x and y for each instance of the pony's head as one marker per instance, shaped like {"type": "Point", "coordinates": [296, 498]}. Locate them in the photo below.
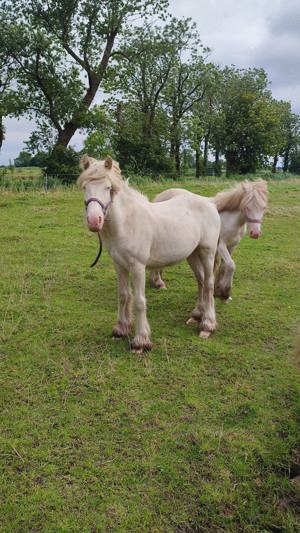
{"type": "Point", "coordinates": [253, 204]}
{"type": "Point", "coordinates": [250, 198]}
{"type": "Point", "coordinates": [100, 180]}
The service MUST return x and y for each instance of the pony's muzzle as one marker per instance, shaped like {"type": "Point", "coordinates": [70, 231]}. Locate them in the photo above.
{"type": "Point", "coordinates": [95, 222]}
{"type": "Point", "coordinates": [254, 233]}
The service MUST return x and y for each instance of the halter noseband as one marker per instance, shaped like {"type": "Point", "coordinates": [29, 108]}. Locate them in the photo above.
{"type": "Point", "coordinates": [253, 220]}
{"type": "Point", "coordinates": [102, 205]}
{"type": "Point", "coordinates": [104, 209]}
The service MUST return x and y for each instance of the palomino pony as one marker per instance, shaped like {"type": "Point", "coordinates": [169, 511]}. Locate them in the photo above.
{"type": "Point", "coordinates": [239, 207]}
{"type": "Point", "coordinates": [140, 234]}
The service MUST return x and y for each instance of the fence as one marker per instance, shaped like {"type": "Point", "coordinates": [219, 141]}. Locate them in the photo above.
{"type": "Point", "coordinates": [14, 182]}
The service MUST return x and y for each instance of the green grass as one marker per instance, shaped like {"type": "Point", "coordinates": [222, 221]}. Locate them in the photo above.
{"type": "Point", "coordinates": [195, 436]}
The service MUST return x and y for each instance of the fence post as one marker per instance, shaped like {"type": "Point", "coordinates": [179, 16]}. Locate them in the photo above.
{"type": "Point", "coordinates": [46, 182]}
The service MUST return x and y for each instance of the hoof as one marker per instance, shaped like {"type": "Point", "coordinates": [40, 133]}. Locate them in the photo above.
{"type": "Point", "coordinates": [140, 348]}
{"type": "Point", "coordinates": [117, 333]}
{"type": "Point", "coordinates": [192, 320]}
{"type": "Point", "coordinates": [228, 300]}
{"type": "Point", "coordinates": [137, 350]}
{"type": "Point", "coordinates": [205, 334]}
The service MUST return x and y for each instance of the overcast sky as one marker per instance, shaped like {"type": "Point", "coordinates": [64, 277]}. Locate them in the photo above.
{"type": "Point", "coordinates": [246, 33]}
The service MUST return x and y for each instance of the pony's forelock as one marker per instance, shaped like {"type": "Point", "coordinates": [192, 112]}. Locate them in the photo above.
{"type": "Point", "coordinates": [100, 170]}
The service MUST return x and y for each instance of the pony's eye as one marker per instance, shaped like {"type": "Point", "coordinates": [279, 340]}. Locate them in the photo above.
{"type": "Point", "coordinates": [108, 188]}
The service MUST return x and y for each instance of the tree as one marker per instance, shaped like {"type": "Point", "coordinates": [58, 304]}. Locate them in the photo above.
{"type": "Point", "coordinates": [186, 87]}
{"type": "Point", "coordinates": [23, 160]}
{"type": "Point", "coordinates": [148, 58]}
{"type": "Point", "coordinates": [6, 76]}
{"type": "Point", "coordinates": [60, 51]}
{"type": "Point", "coordinates": [281, 111]}
{"type": "Point", "coordinates": [294, 165]}
{"type": "Point", "coordinates": [205, 121]}
{"type": "Point", "coordinates": [100, 127]}
{"type": "Point", "coordinates": [291, 125]}
{"type": "Point", "coordinates": [246, 105]}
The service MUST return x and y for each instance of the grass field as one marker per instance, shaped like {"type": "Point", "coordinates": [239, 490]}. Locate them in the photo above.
{"type": "Point", "coordinates": [196, 436]}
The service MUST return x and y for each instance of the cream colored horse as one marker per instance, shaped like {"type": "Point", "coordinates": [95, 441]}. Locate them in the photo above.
{"type": "Point", "coordinates": [239, 207]}
{"type": "Point", "coordinates": [140, 234]}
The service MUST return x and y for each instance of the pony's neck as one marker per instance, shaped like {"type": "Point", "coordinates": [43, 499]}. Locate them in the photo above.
{"type": "Point", "coordinates": [237, 215]}
{"type": "Point", "coordinates": [125, 203]}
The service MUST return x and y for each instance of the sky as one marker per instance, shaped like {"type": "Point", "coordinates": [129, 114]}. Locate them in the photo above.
{"type": "Point", "coordinates": [245, 33]}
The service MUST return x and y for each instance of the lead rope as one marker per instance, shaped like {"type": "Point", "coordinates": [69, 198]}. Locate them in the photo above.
{"type": "Point", "coordinates": [104, 209]}
{"type": "Point", "coordinates": [99, 253]}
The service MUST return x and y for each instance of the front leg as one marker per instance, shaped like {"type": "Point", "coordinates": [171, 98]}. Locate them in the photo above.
{"type": "Point", "coordinates": [124, 322]}
{"type": "Point", "coordinates": [141, 341]}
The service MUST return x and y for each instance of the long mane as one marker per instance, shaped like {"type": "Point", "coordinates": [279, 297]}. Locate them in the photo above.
{"type": "Point", "coordinates": [241, 195]}
{"type": "Point", "coordinates": [94, 170]}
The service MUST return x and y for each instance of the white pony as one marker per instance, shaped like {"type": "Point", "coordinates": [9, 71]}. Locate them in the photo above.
{"type": "Point", "coordinates": [139, 234]}
{"type": "Point", "coordinates": [239, 207]}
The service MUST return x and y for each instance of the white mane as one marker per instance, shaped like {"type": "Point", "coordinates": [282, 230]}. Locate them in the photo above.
{"type": "Point", "coordinates": [94, 170]}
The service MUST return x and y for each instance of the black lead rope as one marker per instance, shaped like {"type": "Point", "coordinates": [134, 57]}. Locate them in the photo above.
{"type": "Point", "coordinates": [104, 209]}
{"type": "Point", "coordinates": [99, 253]}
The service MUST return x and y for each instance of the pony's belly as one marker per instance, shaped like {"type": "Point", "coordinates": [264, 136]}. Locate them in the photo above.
{"type": "Point", "coordinates": [170, 254]}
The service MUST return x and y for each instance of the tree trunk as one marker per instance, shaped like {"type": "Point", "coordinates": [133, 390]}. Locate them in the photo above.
{"type": "Point", "coordinates": [197, 156]}
{"type": "Point", "coordinates": [286, 157]}
{"type": "Point", "coordinates": [66, 134]}
{"type": "Point", "coordinates": [232, 165]}
{"type": "Point", "coordinates": [217, 162]}
{"type": "Point", "coordinates": [177, 157]}
{"type": "Point", "coordinates": [205, 154]}
{"type": "Point", "coordinates": [274, 165]}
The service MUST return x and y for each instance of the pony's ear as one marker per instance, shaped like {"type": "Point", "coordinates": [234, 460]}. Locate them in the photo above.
{"type": "Point", "coordinates": [108, 162]}
{"type": "Point", "coordinates": [84, 162]}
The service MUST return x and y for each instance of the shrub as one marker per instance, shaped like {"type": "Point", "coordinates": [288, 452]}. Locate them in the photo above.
{"type": "Point", "coordinates": [63, 163]}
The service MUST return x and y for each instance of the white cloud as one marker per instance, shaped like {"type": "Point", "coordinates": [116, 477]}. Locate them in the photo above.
{"type": "Point", "coordinates": [245, 33]}
{"type": "Point", "coordinates": [252, 33]}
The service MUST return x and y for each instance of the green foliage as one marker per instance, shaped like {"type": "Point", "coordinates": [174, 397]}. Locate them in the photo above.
{"type": "Point", "coordinates": [23, 160]}
{"type": "Point", "coordinates": [145, 76]}
{"type": "Point", "coordinates": [60, 52]}
{"type": "Point", "coordinates": [100, 128]}
{"type": "Point", "coordinates": [295, 162]}
{"type": "Point", "coordinates": [26, 159]}
{"type": "Point", "coordinates": [194, 436]}
{"type": "Point", "coordinates": [40, 159]}
{"type": "Point", "coordinates": [246, 104]}
{"type": "Point", "coordinates": [162, 97]}
{"type": "Point", "coordinates": [63, 163]}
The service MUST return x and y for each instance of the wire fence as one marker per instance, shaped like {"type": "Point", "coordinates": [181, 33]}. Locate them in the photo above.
{"type": "Point", "coordinates": [18, 182]}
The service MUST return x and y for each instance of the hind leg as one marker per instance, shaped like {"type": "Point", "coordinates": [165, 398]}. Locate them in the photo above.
{"type": "Point", "coordinates": [156, 281]}
{"type": "Point", "coordinates": [197, 268]}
